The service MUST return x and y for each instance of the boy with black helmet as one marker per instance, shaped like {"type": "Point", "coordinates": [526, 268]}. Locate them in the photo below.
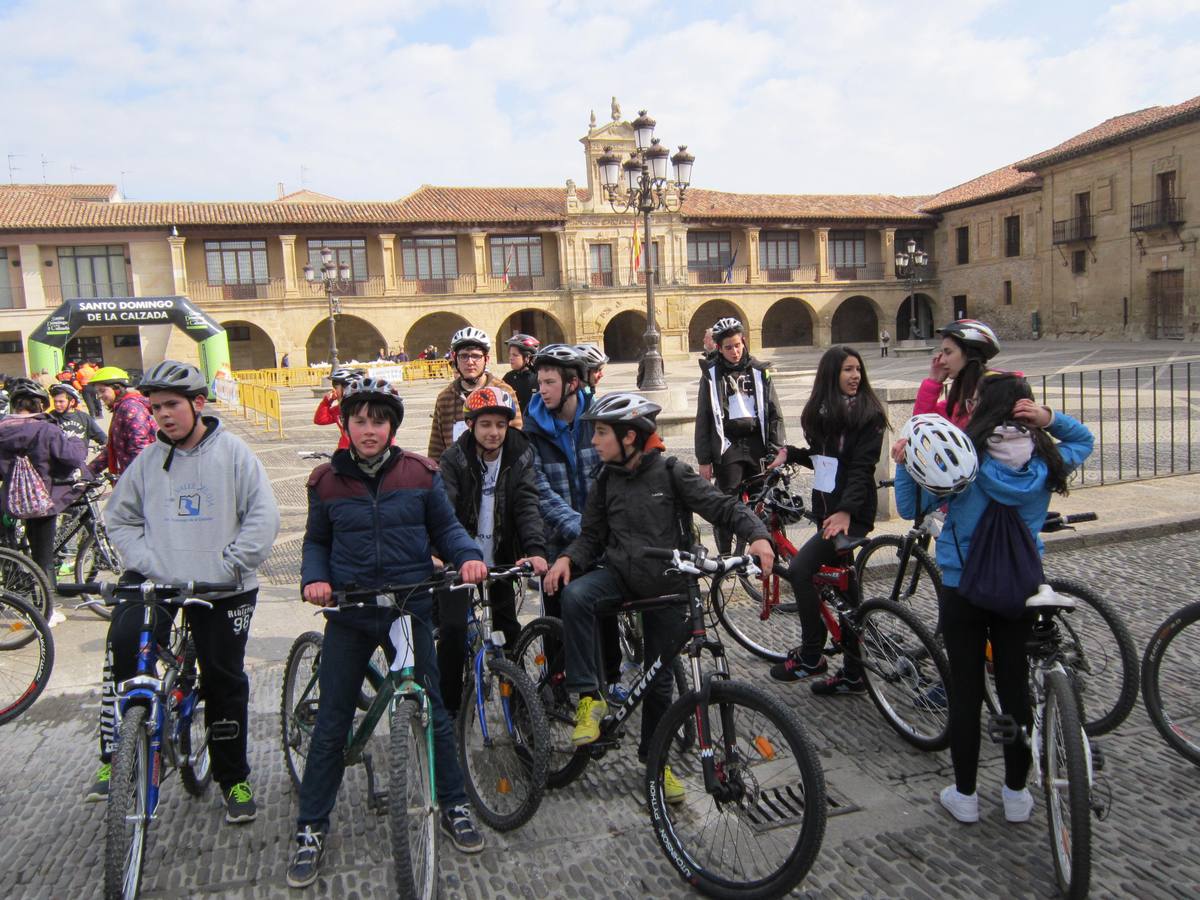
{"type": "Point", "coordinates": [132, 427]}
{"type": "Point", "coordinates": [641, 499]}
{"type": "Point", "coordinates": [328, 412]}
{"type": "Point", "coordinates": [71, 419]}
{"type": "Point", "coordinates": [521, 377]}
{"type": "Point", "coordinates": [470, 350]}
{"type": "Point", "coordinates": [196, 505]}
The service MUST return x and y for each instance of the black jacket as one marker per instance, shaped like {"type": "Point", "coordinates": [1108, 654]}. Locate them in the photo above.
{"type": "Point", "coordinates": [524, 383]}
{"type": "Point", "coordinates": [709, 449]}
{"type": "Point", "coordinates": [518, 523]}
{"type": "Point", "coordinates": [854, 488]}
{"type": "Point", "coordinates": [628, 511]}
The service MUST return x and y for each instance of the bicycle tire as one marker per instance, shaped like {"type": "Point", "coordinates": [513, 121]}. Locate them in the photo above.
{"type": "Point", "coordinates": [412, 802]}
{"type": "Point", "coordinates": [796, 800]}
{"type": "Point", "coordinates": [26, 655]}
{"type": "Point", "coordinates": [299, 701]}
{"type": "Point", "coordinates": [127, 819]}
{"type": "Point", "coordinates": [685, 738]}
{"type": "Point", "coordinates": [538, 652]}
{"type": "Point", "coordinates": [95, 563]}
{"type": "Point", "coordinates": [917, 588]}
{"type": "Point", "coordinates": [20, 575]}
{"type": "Point", "coordinates": [740, 614]}
{"type": "Point", "coordinates": [195, 766]}
{"type": "Point", "coordinates": [897, 650]}
{"type": "Point", "coordinates": [1177, 731]}
{"type": "Point", "coordinates": [506, 792]}
{"type": "Point", "coordinates": [1063, 754]}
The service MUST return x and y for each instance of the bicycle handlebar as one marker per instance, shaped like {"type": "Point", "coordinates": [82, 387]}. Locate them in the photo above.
{"type": "Point", "coordinates": [1057, 521]}
{"type": "Point", "coordinates": [314, 454]}
{"type": "Point", "coordinates": [178, 593]}
{"type": "Point", "coordinates": [689, 564]}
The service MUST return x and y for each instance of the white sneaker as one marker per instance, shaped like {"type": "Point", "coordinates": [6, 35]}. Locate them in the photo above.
{"type": "Point", "coordinates": [56, 618]}
{"type": "Point", "coordinates": [964, 807]}
{"type": "Point", "coordinates": [1018, 805]}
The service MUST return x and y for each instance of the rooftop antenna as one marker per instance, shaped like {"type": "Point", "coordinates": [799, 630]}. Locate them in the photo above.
{"type": "Point", "coordinates": [124, 172]}
{"type": "Point", "coordinates": [11, 167]}
{"type": "Point", "coordinates": [74, 168]}
{"type": "Point", "coordinates": [45, 162]}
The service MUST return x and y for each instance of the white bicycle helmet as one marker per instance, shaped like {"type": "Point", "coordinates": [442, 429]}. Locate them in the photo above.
{"type": "Point", "coordinates": [973, 333]}
{"type": "Point", "coordinates": [594, 355]}
{"type": "Point", "coordinates": [471, 337]}
{"type": "Point", "coordinates": [724, 327]}
{"type": "Point", "coordinates": [938, 456]}
{"type": "Point", "coordinates": [625, 408]}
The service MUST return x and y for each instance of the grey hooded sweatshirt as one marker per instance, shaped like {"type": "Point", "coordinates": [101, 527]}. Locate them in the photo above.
{"type": "Point", "coordinates": [210, 516]}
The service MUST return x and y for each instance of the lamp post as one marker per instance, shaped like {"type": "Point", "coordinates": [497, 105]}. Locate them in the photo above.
{"type": "Point", "coordinates": [640, 185]}
{"type": "Point", "coordinates": [911, 262]}
{"type": "Point", "coordinates": [333, 280]}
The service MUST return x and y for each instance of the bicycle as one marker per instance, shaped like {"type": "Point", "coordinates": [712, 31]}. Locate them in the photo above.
{"type": "Point", "coordinates": [1062, 754]}
{"type": "Point", "coordinates": [411, 798]}
{"type": "Point", "coordinates": [760, 780]}
{"type": "Point", "coordinates": [1168, 676]}
{"type": "Point", "coordinates": [161, 723]}
{"type": "Point", "coordinates": [26, 655]}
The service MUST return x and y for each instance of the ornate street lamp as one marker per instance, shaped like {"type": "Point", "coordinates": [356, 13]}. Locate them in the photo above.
{"type": "Point", "coordinates": [640, 184]}
{"type": "Point", "coordinates": [333, 280]}
{"type": "Point", "coordinates": [913, 264]}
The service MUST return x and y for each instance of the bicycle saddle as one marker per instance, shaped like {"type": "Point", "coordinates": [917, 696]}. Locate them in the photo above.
{"type": "Point", "coordinates": [843, 543]}
{"type": "Point", "coordinates": [1046, 598]}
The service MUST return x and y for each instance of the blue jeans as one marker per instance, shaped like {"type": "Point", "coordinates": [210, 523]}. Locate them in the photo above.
{"type": "Point", "coordinates": [351, 636]}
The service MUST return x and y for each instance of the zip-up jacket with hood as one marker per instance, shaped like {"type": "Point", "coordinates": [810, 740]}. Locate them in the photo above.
{"type": "Point", "coordinates": [524, 383]}
{"type": "Point", "coordinates": [132, 428]}
{"type": "Point", "coordinates": [202, 514]}
{"type": "Point", "coordinates": [854, 488]}
{"type": "Point", "coordinates": [53, 455]}
{"type": "Point", "coordinates": [930, 400]}
{"type": "Point", "coordinates": [711, 409]}
{"type": "Point", "coordinates": [518, 521]}
{"type": "Point", "coordinates": [565, 468]}
{"type": "Point", "coordinates": [630, 510]}
{"type": "Point", "coordinates": [1024, 488]}
{"type": "Point", "coordinates": [382, 530]}
{"type": "Point", "coordinates": [448, 410]}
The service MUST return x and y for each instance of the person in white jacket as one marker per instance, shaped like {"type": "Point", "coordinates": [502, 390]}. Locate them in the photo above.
{"type": "Point", "coordinates": [196, 505]}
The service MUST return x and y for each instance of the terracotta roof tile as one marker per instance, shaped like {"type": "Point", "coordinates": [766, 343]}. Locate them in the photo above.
{"type": "Point", "coordinates": [705, 204]}
{"type": "Point", "coordinates": [486, 204]}
{"type": "Point", "coordinates": [104, 192]}
{"type": "Point", "coordinates": [1000, 183]}
{"type": "Point", "coordinates": [306, 196]}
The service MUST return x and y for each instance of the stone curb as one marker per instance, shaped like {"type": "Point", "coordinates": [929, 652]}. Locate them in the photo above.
{"type": "Point", "coordinates": [1114, 534]}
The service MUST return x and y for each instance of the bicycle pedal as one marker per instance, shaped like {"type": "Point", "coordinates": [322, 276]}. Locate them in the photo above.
{"type": "Point", "coordinates": [1098, 758]}
{"type": "Point", "coordinates": [1003, 729]}
{"type": "Point", "coordinates": [225, 730]}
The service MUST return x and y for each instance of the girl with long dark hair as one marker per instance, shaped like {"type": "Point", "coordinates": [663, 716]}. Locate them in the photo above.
{"type": "Point", "coordinates": [967, 347]}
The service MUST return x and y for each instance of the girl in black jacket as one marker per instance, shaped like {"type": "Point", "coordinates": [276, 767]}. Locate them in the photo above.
{"type": "Point", "coordinates": [843, 423]}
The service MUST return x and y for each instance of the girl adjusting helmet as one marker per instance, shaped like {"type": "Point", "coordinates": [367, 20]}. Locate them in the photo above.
{"type": "Point", "coordinates": [973, 334]}
{"type": "Point", "coordinates": [938, 455]}
{"type": "Point", "coordinates": [489, 400]}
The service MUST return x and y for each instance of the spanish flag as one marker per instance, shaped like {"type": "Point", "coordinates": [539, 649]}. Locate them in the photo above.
{"type": "Point", "coordinates": [637, 249]}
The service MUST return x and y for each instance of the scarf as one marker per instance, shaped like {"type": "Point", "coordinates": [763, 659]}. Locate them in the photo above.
{"type": "Point", "coordinates": [371, 467]}
{"type": "Point", "coordinates": [1011, 445]}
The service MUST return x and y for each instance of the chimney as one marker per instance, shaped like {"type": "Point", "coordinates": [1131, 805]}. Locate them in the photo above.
{"type": "Point", "coordinates": [279, 190]}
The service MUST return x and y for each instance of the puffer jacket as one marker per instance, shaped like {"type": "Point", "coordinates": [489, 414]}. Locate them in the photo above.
{"type": "Point", "coordinates": [374, 532]}
{"type": "Point", "coordinates": [563, 478]}
{"type": "Point", "coordinates": [53, 455]}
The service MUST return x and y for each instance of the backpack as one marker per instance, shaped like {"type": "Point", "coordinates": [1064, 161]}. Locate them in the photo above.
{"type": "Point", "coordinates": [688, 535]}
{"type": "Point", "coordinates": [1003, 567]}
{"type": "Point", "coordinates": [28, 497]}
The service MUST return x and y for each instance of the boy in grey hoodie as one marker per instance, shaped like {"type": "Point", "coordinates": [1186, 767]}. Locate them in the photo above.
{"type": "Point", "coordinates": [196, 505]}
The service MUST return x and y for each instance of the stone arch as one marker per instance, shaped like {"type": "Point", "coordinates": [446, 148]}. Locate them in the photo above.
{"type": "Point", "coordinates": [357, 340]}
{"type": "Point", "coordinates": [856, 321]}
{"type": "Point", "coordinates": [436, 329]}
{"type": "Point", "coordinates": [250, 347]}
{"type": "Point", "coordinates": [788, 323]}
{"type": "Point", "coordinates": [704, 316]}
{"type": "Point", "coordinates": [623, 340]}
{"type": "Point", "coordinates": [925, 321]}
{"type": "Point", "coordinates": [541, 324]}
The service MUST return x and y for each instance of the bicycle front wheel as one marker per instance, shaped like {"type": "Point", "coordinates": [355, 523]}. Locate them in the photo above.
{"type": "Point", "coordinates": [412, 802]}
{"type": "Point", "coordinates": [906, 673]}
{"type": "Point", "coordinates": [755, 831]}
{"type": "Point", "coordinates": [97, 561]}
{"type": "Point", "coordinates": [740, 612]}
{"type": "Point", "coordinates": [299, 702]}
{"type": "Point", "coordinates": [26, 655]}
{"type": "Point", "coordinates": [195, 770]}
{"type": "Point", "coordinates": [1170, 671]}
{"type": "Point", "coordinates": [20, 575]}
{"type": "Point", "coordinates": [1065, 782]}
{"type": "Point", "coordinates": [127, 816]}
{"type": "Point", "coordinates": [914, 585]}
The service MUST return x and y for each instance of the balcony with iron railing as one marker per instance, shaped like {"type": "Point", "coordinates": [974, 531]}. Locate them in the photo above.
{"type": "Point", "coordinates": [718, 275]}
{"type": "Point", "coordinates": [872, 271]}
{"type": "Point", "coordinates": [1080, 228]}
{"type": "Point", "coordinates": [57, 293]}
{"type": "Point", "coordinates": [1164, 213]}
{"type": "Point", "coordinates": [793, 275]}
{"type": "Point", "coordinates": [268, 289]}
{"type": "Point", "coordinates": [499, 284]}
{"type": "Point", "coordinates": [448, 284]}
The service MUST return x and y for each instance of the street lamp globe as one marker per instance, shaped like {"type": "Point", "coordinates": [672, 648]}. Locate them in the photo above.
{"type": "Point", "coordinates": [657, 155]}
{"type": "Point", "coordinates": [344, 272]}
{"type": "Point", "coordinates": [309, 273]}
{"type": "Point", "coordinates": [609, 164]}
{"type": "Point", "coordinates": [682, 161]}
{"type": "Point", "coordinates": [643, 130]}
{"type": "Point", "coordinates": [326, 256]}
{"type": "Point", "coordinates": [633, 173]}
{"type": "Point", "coordinates": [911, 246]}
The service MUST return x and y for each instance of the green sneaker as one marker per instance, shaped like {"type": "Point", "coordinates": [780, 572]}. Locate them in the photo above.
{"type": "Point", "coordinates": [588, 715]}
{"type": "Point", "coordinates": [99, 789]}
{"type": "Point", "coordinates": [239, 804]}
{"type": "Point", "coordinates": [673, 789]}
{"type": "Point", "coordinates": [66, 569]}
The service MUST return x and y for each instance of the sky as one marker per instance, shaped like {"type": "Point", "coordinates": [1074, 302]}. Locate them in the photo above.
{"type": "Point", "coordinates": [368, 100]}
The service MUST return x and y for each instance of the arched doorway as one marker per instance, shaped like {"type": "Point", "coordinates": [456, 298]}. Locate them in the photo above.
{"type": "Point", "coordinates": [357, 341]}
{"type": "Point", "coordinates": [249, 346]}
{"type": "Point", "coordinates": [788, 323]}
{"type": "Point", "coordinates": [623, 336]}
{"type": "Point", "coordinates": [925, 324]}
{"type": "Point", "coordinates": [539, 323]}
{"type": "Point", "coordinates": [436, 329]}
{"type": "Point", "coordinates": [856, 322]}
{"type": "Point", "coordinates": [704, 317]}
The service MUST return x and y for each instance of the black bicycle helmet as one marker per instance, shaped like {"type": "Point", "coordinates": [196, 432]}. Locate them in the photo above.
{"type": "Point", "coordinates": [27, 387]}
{"type": "Point", "coordinates": [625, 409]}
{"type": "Point", "coordinates": [563, 356]}
{"type": "Point", "coordinates": [725, 327]}
{"type": "Point", "coordinates": [63, 388]}
{"type": "Point", "coordinates": [787, 506]}
{"type": "Point", "coordinates": [177, 377]}
{"type": "Point", "coordinates": [369, 390]}
{"type": "Point", "coordinates": [975, 334]}
{"type": "Point", "coordinates": [526, 343]}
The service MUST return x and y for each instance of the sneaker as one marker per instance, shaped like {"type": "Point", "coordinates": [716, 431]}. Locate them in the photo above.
{"type": "Point", "coordinates": [99, 789]}
{"type": "Point", "coordinates": [617, 693]}
{"type": "Point", "coordinates": [306, 862]}
{"type": "Point", "coordinates": [460, 827]}
{"type": "Point", "coordinates": [839, 684]}
{"type": "Point", "coordinates": [933, 700]}
{"type": "Point", "coordinates": [56, 618]}
{"type": "Point", "coordinates": [964, 807]}
{"type": "Point", "coordinates": [1018, 805]}
{"type": "Point", "coordinates": [794, 668]}
{"type": "Point", "coordinates": [588, 715]}
{"type": "Point", "coordinates": [673, 789]}
{"type": "Point", "coordinates": [239, 804]}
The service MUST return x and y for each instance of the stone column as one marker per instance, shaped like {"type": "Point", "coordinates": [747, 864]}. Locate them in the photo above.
{"type": "Point", "coordinates": [31, 276]}
{"type": "Point", "coordinates": [564, 268]}
{"type": "Point", "coordinates": [179, 264]}
{"type": "Point", "coordinates": [752, 249]}
{"type": "Point", "coordinates": [288, 244]}
{"type": "Point", "coordinates": [887, 252]}
{"type": "Point", "coordinates": [822, 259]}
{"type": "Point", "coordinates": [479, 251]}
{"type": "Point", "coordinates": [822, 332]}
{"type": "Point", "coordinates": [387, 248]}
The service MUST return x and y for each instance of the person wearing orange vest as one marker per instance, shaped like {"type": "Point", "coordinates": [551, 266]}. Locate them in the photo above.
{"type": "Point", "coordinates": [83, 378]}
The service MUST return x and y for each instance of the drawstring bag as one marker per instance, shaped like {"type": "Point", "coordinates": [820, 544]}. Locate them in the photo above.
{"type": "Point", "coordinates": [28, 497]}
{"type": "Point", "coordinates": [1003, 567]}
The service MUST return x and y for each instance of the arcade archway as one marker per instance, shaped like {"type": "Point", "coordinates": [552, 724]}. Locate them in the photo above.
{"type": "Point", "coordinates": [435, 329]}
{"type": "Point", "coordinates": [249, 346]}
{"type": "Point", "coordinates": [925, 320]}
{"type": "Point", "coordinates": [623, 336]}
{"type": "Point", "coordinates": [704, 317]}
{"type": "Point", "coordinates": [788, 323]}
{"type": "Point", "coordinates": [856, 321]}
{"type": "Point", "coordinates": [357, 340]}
{"type": "Point", "coordinates": [539, 323]}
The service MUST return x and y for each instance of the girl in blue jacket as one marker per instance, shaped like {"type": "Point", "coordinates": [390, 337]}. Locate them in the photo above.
{"type": "Point", "coordinates": [1025, 452]}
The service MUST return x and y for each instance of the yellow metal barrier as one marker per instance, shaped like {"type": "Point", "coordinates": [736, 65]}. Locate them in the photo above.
{"type": "Point", "coordinates": [262, 401]}
{"type": "Point", "coordinates": [298, 377]}
{"type": "Point", "coordinates": [424, 369]}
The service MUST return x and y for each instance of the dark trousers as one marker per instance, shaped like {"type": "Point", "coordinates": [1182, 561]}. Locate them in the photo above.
{"type": "Point", "coordinates": [351, 637]}
{"type": "Point", "coordinates": [610, 637]}
{"type": "Point", "coordinates": [883, 350]}
{"type": "Point", "coordinates": [91, 399]}
{"type": "Point", "coordinates": [728, 477]}
{"type": "Point", "coordinates": [452, 641]}
{"type": "Point", "coordinates": [812, 554]}
{"type": "Point", "coordinates": [967, 629]}
{"type": "Point", "coordinates": [583, 601]}
{"type": "Point", "coordinates": [40, 533]}
{"type": "Point", "coordinates": [220, 637]}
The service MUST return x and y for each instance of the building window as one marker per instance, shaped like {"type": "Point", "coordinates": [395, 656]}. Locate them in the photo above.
{"type": "Point", "coordinates": [1165, 185]}
{"type": "Point", "coordinates": [600, 264]}
{"type": "Point", "coordinates": [127, 340]}
{"type": "Point", "coordinates": [1008, 293]}
{"type": "Point", "coordinates": [236, 262]}
{"type": "Point", "coordinates": [1083, 204]}
{"type": "Point", "coordinates": [1012, 235]}
{"type": "Point", "coordinates": [517, 256]}
{"type": "Point", "coordinates": [92, 272]}
{"type": "Point", "coordinates": [960, 306]}
{"type": "Point", "coordinates": [10, 346]}
{"type": "Point", "coordinates": [848, 249]}
{"type": "Point", "coordinates": [237, 332]}
{"type": "Point", "coordinates": [351, 252]}
{"type": "Point", "coordinates": [429, 258]}
{"type": "Point", "coordinates": [6, 291]}
{"type": "Point", "coordinates": [1079, 262]}
{"type": "Point", "coordinates": [779, 254]}
{"type": "Point", "coordinates": [1074, 310]}
{"type": "Point", "coordinates": [962, 237]}
{"type": "Point", "coordinates": [709, 255]}
{"type": "Point", "coordinates": [85, 348]}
